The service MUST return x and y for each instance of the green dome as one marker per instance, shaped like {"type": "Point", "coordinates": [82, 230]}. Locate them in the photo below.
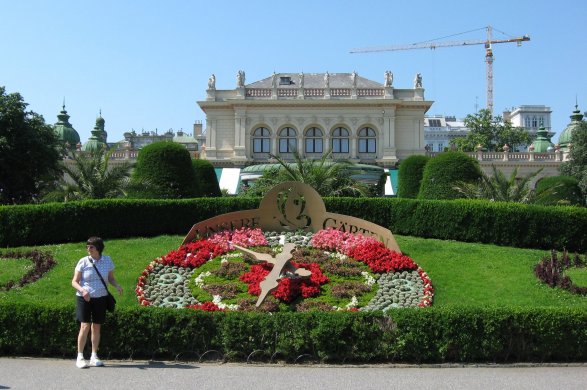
{"type": "Point", "coordinates": [542, 142]}
{"type": "Point", "coordinates": [565, 138]}
{"type": "Point", "coordinates": [98, 138]}
{"type": "Point", "coordinates": [65, 131]}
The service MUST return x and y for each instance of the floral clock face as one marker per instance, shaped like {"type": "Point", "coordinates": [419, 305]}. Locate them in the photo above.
{"type": "Point", "coordinates": [347, 272]}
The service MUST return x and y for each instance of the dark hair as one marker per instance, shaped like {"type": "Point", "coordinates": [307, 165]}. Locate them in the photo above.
{"type": "Point", "coordinates": [97, 242]}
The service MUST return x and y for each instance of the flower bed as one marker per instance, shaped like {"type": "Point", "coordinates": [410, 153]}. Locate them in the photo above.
{"type": "Point", "coordinates": [348, 272]}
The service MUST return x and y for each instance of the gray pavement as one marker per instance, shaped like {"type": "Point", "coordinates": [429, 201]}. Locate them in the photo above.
{"type": "Point", "coordinates": [36, 373]}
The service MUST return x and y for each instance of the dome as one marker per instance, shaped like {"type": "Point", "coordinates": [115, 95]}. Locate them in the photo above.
{"type": "Point", "coordinates": [64, 131]}
{"type": "Point", "coordinates": [565, 138]}
{"type": "Point", "coordinates": [542, 142]}
{"type": "Point", "coordinates": [98, 138]}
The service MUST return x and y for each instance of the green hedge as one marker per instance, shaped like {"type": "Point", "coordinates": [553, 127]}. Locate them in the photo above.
{"type": "Point", "coordinates": [432, 335]}
{"type": "Point", "coordinates": [444, 171]}
{"type": "Point", "coordinates": [409, 176]}
{"type": "Point", "coordinates": [508, 224]}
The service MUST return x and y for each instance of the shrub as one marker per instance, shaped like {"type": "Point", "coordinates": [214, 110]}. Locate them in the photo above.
{"type": "Point", "coordinates": [410, 176]}
{"type": "Point", "coordinates": [163, 170]}
{"type": "Point", "coordinates": [206, 179]}
{"type": "Point", "coordinates": [559, 190]}
{"type": "Point", "coordinates": [435, 335]}
{"type": "Point", "coordinates": [442, 172]}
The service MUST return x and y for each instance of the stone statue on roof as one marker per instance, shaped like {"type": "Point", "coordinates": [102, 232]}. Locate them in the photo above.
{"type": "Point", "coordinates": [418, 81]}
{"type": "Point", "coordinates": [327, 80]}
{"type": "Point", "coordinates": [240, 79]}
{"type": "Point", "coordinates": [388, 79]}
{"type": "Point", "coordinates": [212, 82]}
{"type": "Point", "coordinates": [354, 79]}
{"type": "Point", "coordinates": [274, 80]}
{"type": "Point", "coordinates": [301, 82]}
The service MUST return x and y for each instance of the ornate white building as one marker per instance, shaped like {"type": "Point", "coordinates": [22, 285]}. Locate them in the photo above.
{"type": "Point", "coordinates": [359, 119]}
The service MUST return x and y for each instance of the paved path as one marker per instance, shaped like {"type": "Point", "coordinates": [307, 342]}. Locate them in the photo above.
{"type": "Point", "coordinates": [33, 373]}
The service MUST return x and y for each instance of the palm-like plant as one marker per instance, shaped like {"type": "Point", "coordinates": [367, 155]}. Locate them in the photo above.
{"type": "Point", "coordinates": [328, 178]}
{"type": "Point", "coordinates": [91, 177]}
{"type": "Point", "coordinates": [499, 188]}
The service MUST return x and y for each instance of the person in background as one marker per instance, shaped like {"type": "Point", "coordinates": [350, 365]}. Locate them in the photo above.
{"type": "Point", "coordinates": [91, 297]}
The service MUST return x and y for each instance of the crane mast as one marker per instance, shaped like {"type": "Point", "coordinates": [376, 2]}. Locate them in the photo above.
{"type": "Point", "coordinates": [434, 45]}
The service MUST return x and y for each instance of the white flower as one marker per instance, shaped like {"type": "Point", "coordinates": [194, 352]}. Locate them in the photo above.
{"type": "Point", "coordinates": [217, 300]}
{"type": "Point", "coordinates": [199, 280]}
{"type": "Point", "coordinates": [353, 303]}
{"type": "Point", "coordinates": [282, 239]}
{"type": "Point", "coordinates": [369, 280]}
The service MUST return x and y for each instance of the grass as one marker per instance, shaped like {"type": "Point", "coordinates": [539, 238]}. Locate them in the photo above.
{"type": "Point", "coordinates": [462, 273]}
{"type": "Point", "coordinates": [578, 276]}
{"type": "Point", "coordinates": [13, 269]}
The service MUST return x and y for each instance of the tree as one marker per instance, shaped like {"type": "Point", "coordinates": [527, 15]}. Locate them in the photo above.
{"type": "Point", "coordinates": [499, 188]}
{"type": "Point", "coordinates": [29, 151]}
{"type": "Point", "coordinates": [328, 178]}
{"type": "Point", "coordinates": [163, 170]}
{"type": "Point", "coordinates": [490, 132]}
{"type": "Point", "coordinates": [559, 190]}
{"type": "Point", "coordinates": [577, 164]}
{"type": "Point", "coordinates": [91, 177]}
{"type": "Point", "coordinates": [442, 172]}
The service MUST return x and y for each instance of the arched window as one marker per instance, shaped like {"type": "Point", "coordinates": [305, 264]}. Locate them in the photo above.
{"type": "Point", "coordinates": [261, 140]}
{"type": "Point", "coordinates": [287, 140]}
{"type": "Point", "coordinates": [367, 140]}
{"type": "Point", "coordinates": [340, 140]}
{"type": "Point", "coordinates": [313, 140]}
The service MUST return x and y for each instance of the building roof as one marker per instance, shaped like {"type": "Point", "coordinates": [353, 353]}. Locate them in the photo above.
{"type": "Point", "coordinates": [65, 131]}
{"type": "Point", "coordinates": [565, 138]}
{"type": "Point", "coordinates": [314, 80]}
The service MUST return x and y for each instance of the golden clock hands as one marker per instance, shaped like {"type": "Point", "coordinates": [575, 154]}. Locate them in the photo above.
{"type": "Point", "coordinates": [271, 280]}
{"type": "Point", "coordinates": [256, 255]}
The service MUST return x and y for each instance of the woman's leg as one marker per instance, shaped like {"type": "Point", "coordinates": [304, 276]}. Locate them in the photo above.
{"type": "Point", "coordinates": [82, 337]}
{"type": "Point", "coordinates": [95, 337]}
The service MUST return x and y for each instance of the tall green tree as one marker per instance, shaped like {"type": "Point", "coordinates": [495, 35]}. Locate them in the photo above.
{"type": "Point", "coordinates": [91, 177]}
{"type": "Point", "coordinates": [29, 151]}
{"type": "Point", "coordinates": [577, 164]}
{"type": "Point", "coordinates": [490, 132]}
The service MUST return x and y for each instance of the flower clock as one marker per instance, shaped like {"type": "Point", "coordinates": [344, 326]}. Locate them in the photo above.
{"type": "Point", "coordinates": [343, 271]}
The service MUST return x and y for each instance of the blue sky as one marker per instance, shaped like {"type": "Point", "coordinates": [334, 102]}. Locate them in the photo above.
{"type": "Point", "coordinates": [146, 63]}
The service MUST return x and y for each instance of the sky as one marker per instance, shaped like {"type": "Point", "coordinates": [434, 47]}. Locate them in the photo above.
{"type": "Point", "coordinates": [145, 64]}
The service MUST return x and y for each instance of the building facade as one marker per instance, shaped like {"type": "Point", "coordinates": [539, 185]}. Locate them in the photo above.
{"type": "Point", "coordinates": [354, 117]}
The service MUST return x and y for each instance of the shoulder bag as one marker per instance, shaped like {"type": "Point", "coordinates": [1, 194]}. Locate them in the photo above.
{"type": "Point", "coordinates": [110, 300]}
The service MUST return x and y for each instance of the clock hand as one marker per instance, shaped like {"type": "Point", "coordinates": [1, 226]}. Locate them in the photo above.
{"type": "Point", "coordinates": [256, 255]}
{"type": "Point", "coordinates": [271, 280]}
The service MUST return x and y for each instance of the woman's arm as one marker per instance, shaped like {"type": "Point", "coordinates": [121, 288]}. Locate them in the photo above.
{"type": "Point", "coordinates": [112, 281]}
{"type": "Point", "coordinates": [77, 277]}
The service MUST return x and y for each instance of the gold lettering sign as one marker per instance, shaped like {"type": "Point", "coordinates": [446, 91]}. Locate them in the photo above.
{"type": "Point", "coordinates": [291, 206]}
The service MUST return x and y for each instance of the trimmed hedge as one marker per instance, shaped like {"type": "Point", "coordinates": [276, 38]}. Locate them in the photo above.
{"type": "Point", "coordinates": [206, 179]}
{"type": "Point", "coordinates": [508, 224]}
{"type": "Point", "coordinates": [410, 175]}
{"type": "Point", "coordinates": [432, 335]}
{"type": "Point", "coordinates": [163, 170]}
{"type": "Point", "coordinates": [442, 172]}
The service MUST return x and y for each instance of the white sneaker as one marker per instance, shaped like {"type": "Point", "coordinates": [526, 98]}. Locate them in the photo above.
{"type": "Point", "coordinates": [81, 363]}
{"type": "Point", "coordinates": [96, 362]}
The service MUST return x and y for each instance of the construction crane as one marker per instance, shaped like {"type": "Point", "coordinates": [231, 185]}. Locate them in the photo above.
{"type": "Point", "coordinates": [433, 45]}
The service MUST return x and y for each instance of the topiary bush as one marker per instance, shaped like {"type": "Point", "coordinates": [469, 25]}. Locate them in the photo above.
{"type": "Point", "coordinates": [206, 179]}
{"type": "Point", "coordinates": [410, 176]}
{"type": "Point", "coordinates": [163, 170]}
{"type": "Point", "coordinates": [559, 190]}
{"type": "Point", "coordinates": [443, 171]}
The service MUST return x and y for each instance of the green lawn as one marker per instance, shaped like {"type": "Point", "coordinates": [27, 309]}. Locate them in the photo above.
{"type": "Point", "coordinates": [462, 273]}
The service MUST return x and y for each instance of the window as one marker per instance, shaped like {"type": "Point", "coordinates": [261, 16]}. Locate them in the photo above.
{"type": "Point", "coordinates": [534, 122]}
{"type": "Point", "coordinates": [527, 122]}
{"type": "Point", "coordinates": [261, 140]}
{"type": "Point", "coordinates": [434, 122]}
{"type": "Point", "coordinates": [287, 140]}
{"type": "Point", "coordinates": [367, 140]}
{"type": "Point", "coordinates": [340, 140]}
{"type": "Point", "coordinates": [440, 146]}
{"type": "Point", "coordinates": [313, 140]}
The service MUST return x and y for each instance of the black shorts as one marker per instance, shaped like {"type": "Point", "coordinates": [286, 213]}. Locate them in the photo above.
{"type": "Point", "coordinates": [93, 311]}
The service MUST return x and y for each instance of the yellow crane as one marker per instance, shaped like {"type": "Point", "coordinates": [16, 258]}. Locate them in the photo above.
{"type": "Point", "coordinates": [433, 45]}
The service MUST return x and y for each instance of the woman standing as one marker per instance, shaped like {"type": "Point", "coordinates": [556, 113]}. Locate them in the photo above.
{"type": "Point", "coordinates": [91, 297]}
